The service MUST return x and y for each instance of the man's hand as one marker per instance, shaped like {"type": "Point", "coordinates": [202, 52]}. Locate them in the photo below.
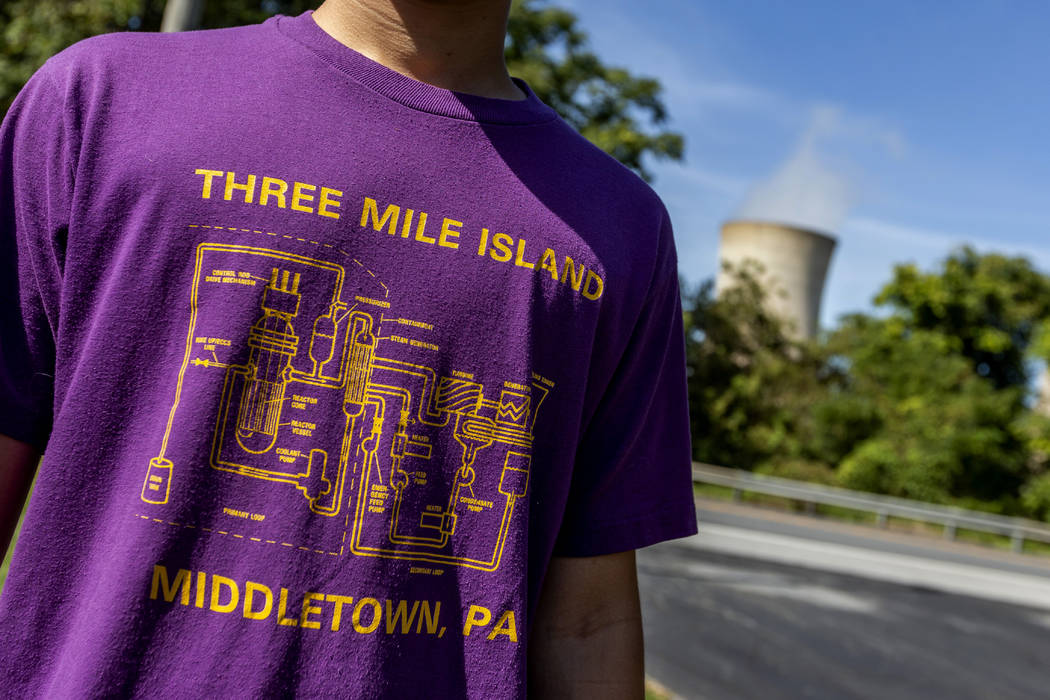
{"type": "Point", "coordinates": [586, 639]}
{"type": "Point", "coordinates": [17, 465]}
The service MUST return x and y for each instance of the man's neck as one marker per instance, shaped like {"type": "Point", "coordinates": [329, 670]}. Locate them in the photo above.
{"type": "Point", "coordinates": [453, 44]}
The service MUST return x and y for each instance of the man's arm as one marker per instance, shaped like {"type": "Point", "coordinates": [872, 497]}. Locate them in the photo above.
{"type": "Point", "coordinates": [586, 639]}
{"type": "Point", "coordinates": [17, 465]}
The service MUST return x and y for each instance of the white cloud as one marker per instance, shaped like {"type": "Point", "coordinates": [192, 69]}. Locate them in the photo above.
{"type": "Point", "coordinates": [682, 176]}
{"type": "Point", "coordinates": [944, 241]}
{"type": "Point", "coordinates": [685, 90]}
{"type": "Point", "coordinates": [903, 233]}
{"type": "Point", "coordinates": [870, 248]}
{"type": "Point", "coordinates": [694, 81]}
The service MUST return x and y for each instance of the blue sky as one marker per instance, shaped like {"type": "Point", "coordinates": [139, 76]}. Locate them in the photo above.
{"type": "Point", "coordinates": [908, 128]}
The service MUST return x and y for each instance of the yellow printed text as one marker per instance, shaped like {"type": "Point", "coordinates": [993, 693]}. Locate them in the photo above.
{"type": "Point", "coordinates": [323, 612]}
{"type": "Point", "coordinates": [272, 191]}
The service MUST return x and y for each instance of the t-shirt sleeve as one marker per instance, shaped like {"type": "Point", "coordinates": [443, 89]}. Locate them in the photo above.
{"type": "Point", "coordinates": [35, 182]}
{"type": "Point", "coordinates": [632, 481]}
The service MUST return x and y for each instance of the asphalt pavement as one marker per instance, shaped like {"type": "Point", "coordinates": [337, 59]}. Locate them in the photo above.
{"type": "Point", "coordinates": [741, 614]}
{"type": "Point", "coordinates": [867, 537]}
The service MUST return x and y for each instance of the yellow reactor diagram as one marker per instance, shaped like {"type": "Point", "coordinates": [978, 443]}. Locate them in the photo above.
{"type": "Point", "coordinates": [328, 422]}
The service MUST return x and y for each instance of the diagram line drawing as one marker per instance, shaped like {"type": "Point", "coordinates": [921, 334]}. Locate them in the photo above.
{"type": "Point", "coordinates": [287, 367]}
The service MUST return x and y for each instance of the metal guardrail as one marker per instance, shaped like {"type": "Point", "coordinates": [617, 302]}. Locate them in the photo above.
{"type": "Point", "coordinates": [951, 518]}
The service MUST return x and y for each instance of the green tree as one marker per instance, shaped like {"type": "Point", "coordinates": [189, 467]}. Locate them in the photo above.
{"type": "Point", "coordinates": [926, 400]}
{"type": "Point", "coordinates": [34, 30]}
{"type": "Point", "coordinates": [991, 303]}
{"type": "Point", "coordinates": [234, 13]}
{"type": "Point", "coordinates": [621, 113]}
{"type": "Point", "coordinates": [948, 373]}
{"type": "Point", "coordinates": [751, 387]}
{"type": "Point", "coordinates": [1036, 497]}
{"type": "Point", "coordinates": [938, 431]}
{"type": "Point", "coordinates": [1034, 427]}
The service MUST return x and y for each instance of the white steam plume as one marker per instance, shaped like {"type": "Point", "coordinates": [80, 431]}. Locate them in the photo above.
{"type": "Point", "coordinates": [806, 190]}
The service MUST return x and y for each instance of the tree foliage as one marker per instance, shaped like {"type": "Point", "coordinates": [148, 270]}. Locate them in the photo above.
{"type": "Point", "coordinates": [34, 30]}
{"type": "Point", "coordinates": [621, 113]}
{"type": "Point", "coordinates": [926, 400]}
{"type": "Point", "coordinates": [938, 431]}
{"type": "Point", "coordinates": [991, 304]}
{"type": "Point", "coordinates": [750, 384]}
{"type": "Point", "coordinates": [611, 107]}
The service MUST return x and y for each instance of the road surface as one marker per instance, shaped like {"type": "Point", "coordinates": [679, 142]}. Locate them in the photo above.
{"type": "Point", "coordinates": [772, 606]}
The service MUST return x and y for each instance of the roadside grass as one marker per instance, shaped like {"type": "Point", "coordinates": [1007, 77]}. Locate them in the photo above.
{"type": "Point", "coordinates": [14, 538]}
{"type": "Point", "coordinates": [7, 557]}
{"type": "Point", "coordinates": [856, 517]}
{"type": "Point", "coordinates": [655, 691]}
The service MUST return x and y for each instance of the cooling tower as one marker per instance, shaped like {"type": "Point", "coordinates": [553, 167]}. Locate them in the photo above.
{"type": "Point", "coordinates": [795, 262]}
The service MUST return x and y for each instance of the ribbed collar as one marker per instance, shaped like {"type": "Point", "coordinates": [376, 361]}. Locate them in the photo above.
{"type": "Point", "coordinates": [407, 91]}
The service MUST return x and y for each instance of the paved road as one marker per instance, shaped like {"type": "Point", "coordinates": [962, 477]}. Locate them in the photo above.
{"type": "Point", "coordinates": [867, 537]}
{"type": "Point", "coordinates": [729, 625]}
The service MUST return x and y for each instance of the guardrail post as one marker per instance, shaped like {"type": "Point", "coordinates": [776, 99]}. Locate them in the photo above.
{"type": "Point", "coordinates": [881, 519]}
{"type": "Point", "coordinates": [949, 530]}
{"type": "Point", "coordinates": [736, 495]}
{"type": "Point", "coordinates": [1017, 541]}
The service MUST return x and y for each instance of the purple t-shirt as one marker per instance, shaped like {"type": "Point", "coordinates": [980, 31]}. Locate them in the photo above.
{"type": "Point", "coordinates": [328, 364]}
